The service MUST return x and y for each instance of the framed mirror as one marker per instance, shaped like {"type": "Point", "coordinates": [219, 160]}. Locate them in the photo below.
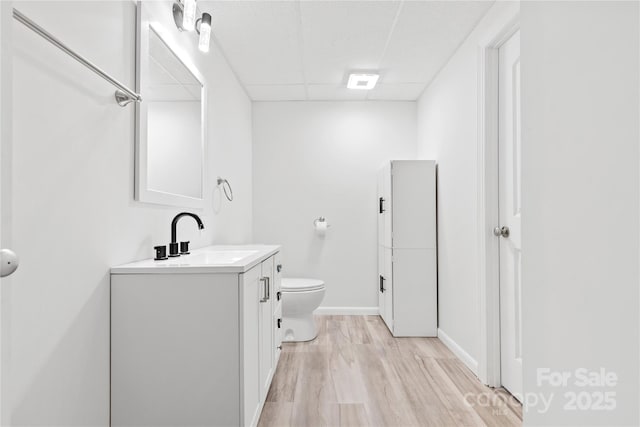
{"type": "Point", "coordinates": [171, 120]}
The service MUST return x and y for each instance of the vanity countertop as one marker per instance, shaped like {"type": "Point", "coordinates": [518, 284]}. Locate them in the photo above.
{"type": "Point", "coordinates": [211, 259]}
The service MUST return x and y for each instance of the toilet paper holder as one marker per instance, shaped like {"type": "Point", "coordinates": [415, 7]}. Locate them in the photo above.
{"type": "Point", "coordinates": [318, 220]}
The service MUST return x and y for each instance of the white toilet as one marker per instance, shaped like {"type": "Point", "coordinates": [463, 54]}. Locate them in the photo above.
{"type": "Point", "coordinates": [300, 297]}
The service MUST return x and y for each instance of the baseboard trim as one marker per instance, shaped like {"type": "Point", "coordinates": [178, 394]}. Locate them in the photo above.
{"type": "Point", "coordinates": [458, 351]}
{"type": "Point", "coordinates": [346, 311]}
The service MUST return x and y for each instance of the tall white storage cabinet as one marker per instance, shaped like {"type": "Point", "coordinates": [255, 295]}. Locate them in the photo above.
{"type": "Point", "coordinates": [407, 268]}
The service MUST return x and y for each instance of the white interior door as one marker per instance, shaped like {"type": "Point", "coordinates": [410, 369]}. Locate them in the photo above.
{"type": "Point", "coordinates": [6, 119]}
{"type": "Point", "coordinates": [3, 89]}
{"type": "Point", "coordinates": [510, 215]}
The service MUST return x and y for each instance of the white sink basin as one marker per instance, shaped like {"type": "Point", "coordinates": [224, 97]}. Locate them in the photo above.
{"type": "Point", "coordinates": [224, 257]}
{"type": "Point", "coordinates": [211, 259]}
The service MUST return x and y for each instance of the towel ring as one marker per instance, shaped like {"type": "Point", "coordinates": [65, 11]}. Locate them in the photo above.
{"type": "Point", "coordinates": [225, 185]}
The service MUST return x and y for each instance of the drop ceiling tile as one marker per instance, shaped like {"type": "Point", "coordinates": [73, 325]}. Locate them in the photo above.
{"type": "Point", "coordinates": [335, 92]}
{"type": "Point", "coordinates": [426, 35]}
{"type": "Point", "coordinates": [276, 47]}
{"type": "Point", "coordinates": [277, 92]}
{"type": "Point", "coordinates": [339, 36]}
{"type": "Point", "coordinates": [396, 91]}
{"type": "Point", "coordinates": [260, 39]}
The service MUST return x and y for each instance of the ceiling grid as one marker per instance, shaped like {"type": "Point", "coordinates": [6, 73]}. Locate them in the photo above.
{"type": "Point", "coordinates": [304, 49]}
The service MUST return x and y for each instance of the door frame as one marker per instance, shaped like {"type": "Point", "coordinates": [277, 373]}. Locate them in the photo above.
{"type": "Point", "coordinates": [488, 197]}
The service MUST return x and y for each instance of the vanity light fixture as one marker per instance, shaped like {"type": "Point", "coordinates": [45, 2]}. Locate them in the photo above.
{"type": "Point", "coordinates": [184, 14]}
{"type": "Point", "coordinates": [203, 27]}
{"type": "Point", "coordinates": [362, 81]}
{"type": "Point", "coordinates": [189, 16]}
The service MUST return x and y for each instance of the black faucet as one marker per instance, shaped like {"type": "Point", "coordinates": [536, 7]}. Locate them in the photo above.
{"type": "Point", "coordinates": [184, 246]}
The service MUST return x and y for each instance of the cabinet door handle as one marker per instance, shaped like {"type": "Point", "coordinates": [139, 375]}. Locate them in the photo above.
{"type": "Point", "coordinates": [264, 281]}
{"type": "Point", "coordinates": [268, 288]}
{"type": "Point", "coordinates": [279, 323]}
{"type": "Point", "coordinates": [381, 205]}
{"type": "Point", "coordinates": [278, 295]}
{"type": "Point", "coordinates": [279, 268]}
{"type": "Point", "coordinates": [382, 289]}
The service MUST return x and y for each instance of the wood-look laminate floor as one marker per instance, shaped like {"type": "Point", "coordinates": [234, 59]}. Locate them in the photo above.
{"type": "Point", "coordinates": [355, 373]}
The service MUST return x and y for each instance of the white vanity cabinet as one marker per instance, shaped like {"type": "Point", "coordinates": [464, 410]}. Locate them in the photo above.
{"type": "Point", "coordinates": [194, 341]}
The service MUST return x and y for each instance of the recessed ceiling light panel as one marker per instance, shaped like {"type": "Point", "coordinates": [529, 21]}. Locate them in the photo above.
{"type": "Point", "coordinates": [362, 81]}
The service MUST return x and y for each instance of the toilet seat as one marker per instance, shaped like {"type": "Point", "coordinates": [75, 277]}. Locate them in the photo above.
{"type": "Point", "coordinates": [301, 285]}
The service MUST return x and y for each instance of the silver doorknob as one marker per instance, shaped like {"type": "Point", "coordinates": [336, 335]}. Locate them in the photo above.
{"type": "Point", "coordinates": [501, 231]}
{"type": "Point", "coordinates": [8, 262]}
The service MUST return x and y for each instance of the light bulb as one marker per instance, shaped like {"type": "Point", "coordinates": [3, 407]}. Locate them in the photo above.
{"type": "Point", "coordinates": [205, 32]}
{"type": "Point", "coordinates": [189, 15]}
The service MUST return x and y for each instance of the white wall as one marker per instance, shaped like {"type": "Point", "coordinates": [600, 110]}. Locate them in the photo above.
{"type": "Point", "coordinates": [316, 159]}
{"type": "Point", "coordinates": [448, 133]}
{"type": "Point", "coordinates": [580, 93]}
{"type": "Point", "coordinates": [73, 209]}
{"type": "Point", "coordinates": [580, 88]}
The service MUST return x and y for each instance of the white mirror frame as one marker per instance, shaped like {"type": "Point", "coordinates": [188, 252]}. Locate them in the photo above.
{"type": "Point", "coordinates": [144, 24]}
